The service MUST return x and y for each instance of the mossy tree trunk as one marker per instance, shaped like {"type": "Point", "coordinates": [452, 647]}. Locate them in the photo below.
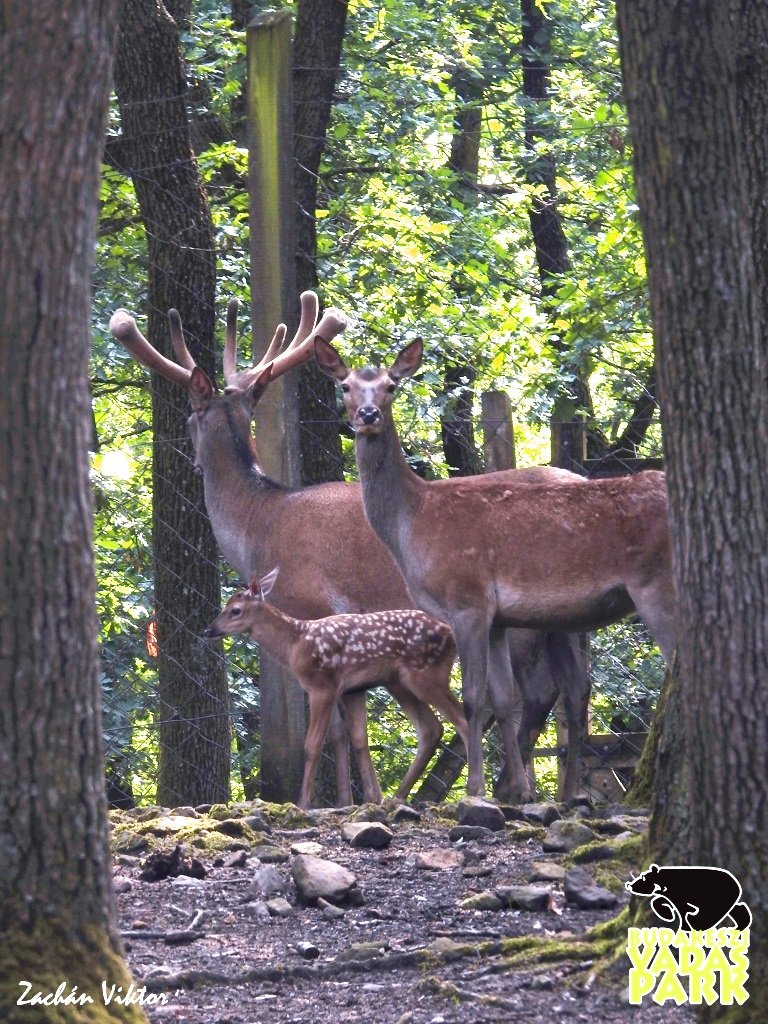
{"type": "Point", "coordinates": [56, 906]}
{"type": "Point", "coordinates": [155, 149]}
{"type": "Point", "coordinates": [696, 83]}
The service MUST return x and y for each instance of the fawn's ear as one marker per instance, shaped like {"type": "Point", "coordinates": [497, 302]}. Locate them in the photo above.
{"type": "Point", "coordinates": [329, 360]}
{"type": "Point", "coordinates": [408, 361]}
{"type": "Point", "coordinates": [266, 583]}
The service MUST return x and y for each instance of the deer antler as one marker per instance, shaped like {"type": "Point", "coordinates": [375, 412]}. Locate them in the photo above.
{"type": "Point", "coordinates": [124, 328]}
{"type": "Point", "coordinates": [299, 350]}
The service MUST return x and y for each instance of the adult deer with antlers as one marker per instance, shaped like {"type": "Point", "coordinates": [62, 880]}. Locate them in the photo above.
{"type": "Point", "coordinates": [341, 655]}
{"type": "Point", "coordinates": [258, 523]}
{"type": "Point", "coordinates": [488, 552]}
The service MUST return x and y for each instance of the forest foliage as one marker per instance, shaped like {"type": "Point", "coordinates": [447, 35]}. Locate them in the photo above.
{"type": "Point", "coordinates": [408, 246]}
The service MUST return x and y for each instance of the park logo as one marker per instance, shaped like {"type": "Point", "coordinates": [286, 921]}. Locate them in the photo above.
{"type": "Point", "coordinates": [701, 954]}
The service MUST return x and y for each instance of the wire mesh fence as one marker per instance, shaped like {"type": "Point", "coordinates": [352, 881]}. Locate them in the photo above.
{"type": "Point", "coordinates": [410, 249]}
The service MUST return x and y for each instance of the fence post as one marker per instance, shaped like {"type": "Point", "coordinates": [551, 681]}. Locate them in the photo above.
{"type": "Point", "coordinates": [498, 431]}
{"type": "Point", "coordinates": [274, 299]}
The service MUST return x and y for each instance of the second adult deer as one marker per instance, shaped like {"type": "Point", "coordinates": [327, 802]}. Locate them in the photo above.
{"type": "Point", "coordinates": [341, 656]}
{"type": "Point", "coordinates": [488, 552]}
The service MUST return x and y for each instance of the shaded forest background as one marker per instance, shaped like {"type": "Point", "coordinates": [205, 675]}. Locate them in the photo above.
{"type": "Point", "coordinates": [473, 186]}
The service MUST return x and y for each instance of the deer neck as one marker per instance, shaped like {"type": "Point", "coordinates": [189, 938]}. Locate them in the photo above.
{"type": "Point", "coordinates": [391, 490]}
{"type": "Point", "coordinates": [277, 632]}
{"type": "Point", "coordinates": [239, 497]}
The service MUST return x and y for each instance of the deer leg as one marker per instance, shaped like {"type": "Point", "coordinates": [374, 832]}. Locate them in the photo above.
{"type": "Point", "coordinates": [322, 701]}
{"type": "Point", "coordinates": [515, 785]}
{"type": "Point", "coordinates": [339, 740]}
{"type": "Point", "coordinates": [407, 692]}
{"type": "Point", "coordinates": [657, 607]}
{"type": "Point", "coordinates": [471, 631]}
{"type": "Point", "coordinates": [569, 670]}
{"type": "Point", "coordinates": [357, 724]}
{"type": "Point", "coordinates": [536, 694]}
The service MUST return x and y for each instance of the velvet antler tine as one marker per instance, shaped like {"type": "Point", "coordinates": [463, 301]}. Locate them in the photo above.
{"type": "Point", "coordinates": [123, 326]}
{"type": "Point", "coordinates": [183, 354]}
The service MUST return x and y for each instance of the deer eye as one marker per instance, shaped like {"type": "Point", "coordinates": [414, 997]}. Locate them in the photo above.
{"type": "Point", "coordinates": [235, 612]}
{"type": "Point", "coordinates": [345, 388]}
{"type": "Point", "coordinates": [391, 388]}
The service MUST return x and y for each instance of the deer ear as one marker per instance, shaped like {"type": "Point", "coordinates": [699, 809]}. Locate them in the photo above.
{"type": "Point", "coordinates": [408, 362]}
{"type": "Point", "coordinates": [200, 388]}
{"type": "Point", "coordinates": [258, 386]}
{"type": "Point", "coordinates": [329, 360]}
{"type": "Point", "coordinates": [267, 582]}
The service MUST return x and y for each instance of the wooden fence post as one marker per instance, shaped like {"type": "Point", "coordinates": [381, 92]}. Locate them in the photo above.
{"type": "Point", "coordinates": [274, 299]}
{"type": "Point", "coordinates": [498, 431]}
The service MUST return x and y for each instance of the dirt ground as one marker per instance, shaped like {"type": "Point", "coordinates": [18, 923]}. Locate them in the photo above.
{"type": "Point", "coordinates": [432, 962]}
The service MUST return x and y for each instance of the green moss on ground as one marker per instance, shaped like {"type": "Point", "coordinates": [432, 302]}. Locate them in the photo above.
{"type": "Point", "coordinates": [51, 955]}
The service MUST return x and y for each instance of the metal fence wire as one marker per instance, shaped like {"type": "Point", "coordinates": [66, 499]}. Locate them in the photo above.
{"type": "Point", "coordinates": [625, 668]}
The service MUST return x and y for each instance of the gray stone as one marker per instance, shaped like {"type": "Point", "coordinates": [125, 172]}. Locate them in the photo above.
{"type": "Point", "coordinates": [594, 852]}
{"type": "Point", "coordinates": [547, 871]}
{"type": "Point", "coordinates": [121, 885]}
{"type": "Point", "coordinates": [437, 859]}
{"type": "Point", "coordinates": [474, 810]}
{"type": "Point", "coordinates": [482, 901]}
{"type": "Point", "coordinates": [477, 871]}
{"type": "Point", "coordinates": [525, 897]}
{"type": "Point", "coordinates": [238, 859]}
{"type": "Point", "coordinates": [129, 842]}
{"type": "Point", "coordinates": [581, 891]}
{"type": "Point", "coordinates": [564, 836]}
{"type": "Point", "coordinates": [307, 846]}
{"type": "Point", "coordinates": [541, 814]}
{"type": "Point", "coordinates": [315, 878]}
{"type": "Point", "coordinates": [270, 854]}
{"type": "Point", "coordinates": [361, 952]}
{"type": "Point", "coordinates": [370, 812]}
{"type": "Point", "coordinates": [233, 827]}
{"type": "Point", "coordinates": [329, 911]}
{"type": "Point", "coordinates": [367, 834]}
{"type": "Point", "coordinates": [268, 880]}
{"type": "Point", "coordinates": [259, 910]}
{"type": "Point", "coordinates": [469, 833]}
{"type": "Point", "coordinates": [185, 812]}
{"type": "Point", "coordinates": [404, 813]}
{"type": "Point", "coordinates": [279, 907]}
{"type": "Point", "coordinates": [257, 822]}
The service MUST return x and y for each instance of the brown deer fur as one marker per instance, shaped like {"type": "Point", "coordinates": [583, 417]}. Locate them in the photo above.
{"type": "Point", "coordinates": [338, 656]}
{"type": "Point", "coordinates": [331, 561]}
{"type": "Point", "coordinates": [485, 553]}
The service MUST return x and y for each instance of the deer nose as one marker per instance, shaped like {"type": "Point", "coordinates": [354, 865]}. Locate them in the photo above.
{"type": "Point", "coordinates": [368, 415]}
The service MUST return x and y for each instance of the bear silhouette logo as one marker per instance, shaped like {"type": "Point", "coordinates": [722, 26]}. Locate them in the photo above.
{"type": "Point", "coordinates": [692, 898]}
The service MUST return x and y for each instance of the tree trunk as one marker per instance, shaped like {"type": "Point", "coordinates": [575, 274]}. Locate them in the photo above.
{"type": "Point", "coordinates": [56, 906]}
{"type": "Point", "coordinates": [317, 42]}
{"type": "Point", "coordinates": [549, 238]}
{"type": "Point", "coordinates": [156, 151]}
{"type": "Point", "coordinates": [697, 111]}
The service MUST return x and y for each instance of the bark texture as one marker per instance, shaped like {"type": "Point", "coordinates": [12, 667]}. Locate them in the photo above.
{"type": "Point", "coordinates": [156, 150]}
{"type": "Point", "coordinates": [317, 43]}
{"type": "Point", "coordinates": [549, 239]}
{"type": "Point", "coordinates": [696, 78]}
{"type": "Point", "coordinates": [56, 907]}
